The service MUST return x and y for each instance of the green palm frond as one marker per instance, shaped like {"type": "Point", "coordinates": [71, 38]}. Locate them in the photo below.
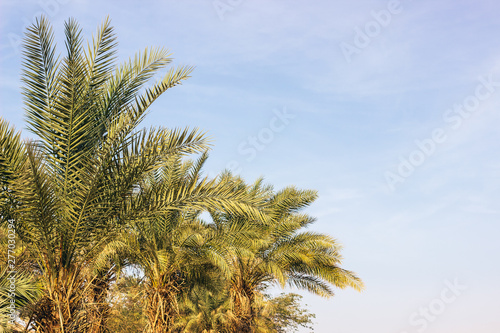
{"type": "Point", "coordinates": [37, 211]}
{"type": "Point", "coordinates": [18, 283]}
{"type": "Point", "coordinates": [11, 151]}
{"type": "Point", "coordinates": [12, 158]}
{"type": "Point", "coordinates": [39, 74]}
{"type": "Point", "coordinates": [25, 292]}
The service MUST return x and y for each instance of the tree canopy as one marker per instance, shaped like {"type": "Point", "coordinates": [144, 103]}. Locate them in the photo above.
{"type": "Point", "coordinates": [94, 195]}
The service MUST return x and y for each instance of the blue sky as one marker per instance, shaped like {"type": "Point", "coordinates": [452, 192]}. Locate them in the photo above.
{"type": "Point", "coordinates": [390, 109]}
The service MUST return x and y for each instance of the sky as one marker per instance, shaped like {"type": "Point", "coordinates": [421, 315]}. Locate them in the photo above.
{"type": "Point", "coordinates": [389, 109]}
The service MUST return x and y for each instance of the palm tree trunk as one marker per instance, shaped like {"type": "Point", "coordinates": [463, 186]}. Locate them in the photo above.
{"type": "Point", "coordinates": [61, 310]}
{"type": "Point", "coordinates": [99, 309]}
{"type": "Point", "coordinates": [244, 311]}
{"type": "Point", "coordinates": [162, 308]}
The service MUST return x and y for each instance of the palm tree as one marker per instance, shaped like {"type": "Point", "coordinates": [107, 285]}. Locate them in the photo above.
{"type": "Point", "coordinates": [175, 250]}
{"type": "Point", "coordinates": [283, 254]}
{"type": "Point", "coordinates": [71, 191]}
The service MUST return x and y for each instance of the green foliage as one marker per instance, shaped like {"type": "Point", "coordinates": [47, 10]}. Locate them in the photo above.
{"type": "Point", "coordinates": [93, 195]}
{"type": "Point", "coordinates": [287, 314]}
{"type": "Point", "coordinates": [17, 281]}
